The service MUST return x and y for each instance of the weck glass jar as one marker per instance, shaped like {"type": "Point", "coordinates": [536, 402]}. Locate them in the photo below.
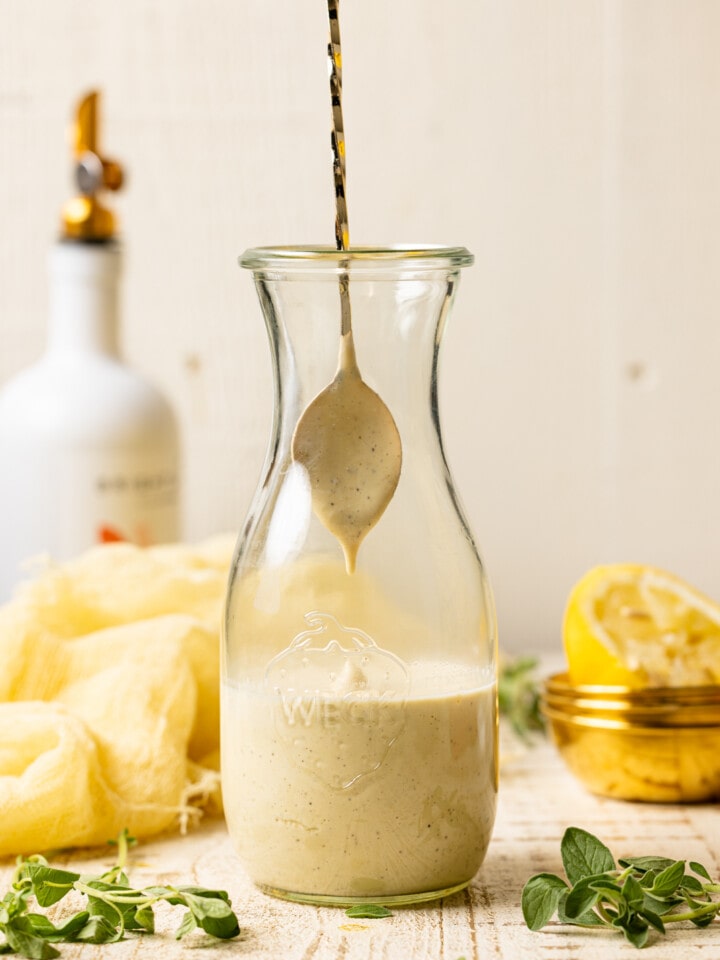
{"type": "Point", "coordinates": [359, 716]}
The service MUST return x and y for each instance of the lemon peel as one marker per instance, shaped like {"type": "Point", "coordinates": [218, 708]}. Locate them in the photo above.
{"type": "Point", "coordinates": [638, 626]}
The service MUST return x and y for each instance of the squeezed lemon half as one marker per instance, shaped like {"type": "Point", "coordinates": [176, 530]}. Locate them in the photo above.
{"type": "Point", "coordinates": [637, 626]}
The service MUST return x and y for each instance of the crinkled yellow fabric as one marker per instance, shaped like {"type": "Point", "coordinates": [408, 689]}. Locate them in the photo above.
{"type": "Point", "coordinates": [109, 695]}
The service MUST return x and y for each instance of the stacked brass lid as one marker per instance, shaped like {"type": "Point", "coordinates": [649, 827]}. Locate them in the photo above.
{"type": "Point", "coordinates": [658, 744]}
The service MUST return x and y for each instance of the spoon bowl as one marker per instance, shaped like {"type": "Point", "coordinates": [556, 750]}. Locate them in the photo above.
{"type": "Point", "coordinates": [349, 444]}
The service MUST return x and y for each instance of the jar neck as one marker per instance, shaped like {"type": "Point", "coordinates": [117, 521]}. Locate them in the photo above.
{"type": "Point", "coordinates": [83, 316]}
{"type": "Point", "coordinates": [397, 328]}
{"type": "Point", "coordinates": [333, 456]}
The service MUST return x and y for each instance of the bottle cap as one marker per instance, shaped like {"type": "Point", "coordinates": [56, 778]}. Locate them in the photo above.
{"type": "Point", "coordinates": [84, 217]}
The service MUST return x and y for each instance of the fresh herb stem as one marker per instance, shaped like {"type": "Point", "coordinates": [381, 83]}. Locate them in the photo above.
{"type": "Point", "coordinates": [707, 910]}
{"type": "Point", "coordinates": [113, 907]}
{"type": "Point", "coordinates": [129, 898]}
{"type": "Point", "coordinates": [121, 899]}
{"type": "Point", "coordinates": [635, 897]}
{"type": "Point", "coordinates": [519, 696]}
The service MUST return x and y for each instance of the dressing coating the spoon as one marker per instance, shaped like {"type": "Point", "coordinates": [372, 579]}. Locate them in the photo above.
{"type": "Point", "coordinates": [348, 442]}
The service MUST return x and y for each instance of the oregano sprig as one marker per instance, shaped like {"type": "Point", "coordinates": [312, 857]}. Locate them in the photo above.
{"type": "Point", "coordinates": [633, 897]}
{"type": "Point", "coordinates": [519, 696]}
{"type": "Point", "coordinates": [113, 907]}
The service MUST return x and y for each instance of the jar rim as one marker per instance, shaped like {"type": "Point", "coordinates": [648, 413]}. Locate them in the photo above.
{"type": "Point", "coordinates": [418, 254]}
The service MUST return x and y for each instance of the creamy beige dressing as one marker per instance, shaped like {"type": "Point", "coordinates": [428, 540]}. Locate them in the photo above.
{"type": "Point", "coordinates": [357, 761]}
{"type": "Point", "coordinates": [348, 442]}
{"type": "Point", "coordinates": [353, 794]}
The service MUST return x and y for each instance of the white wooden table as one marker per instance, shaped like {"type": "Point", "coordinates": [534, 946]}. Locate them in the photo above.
{"type": "Point", "coordinates": [538, 800]}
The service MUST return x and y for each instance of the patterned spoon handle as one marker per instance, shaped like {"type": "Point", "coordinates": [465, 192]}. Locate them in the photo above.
{"type": "Point", "coordinates": [342, 233]}
{"type": "Point", "coordinates": [337, 140]}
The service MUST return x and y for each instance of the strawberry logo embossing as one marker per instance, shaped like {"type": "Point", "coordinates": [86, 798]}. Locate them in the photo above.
{"type": "Point", "coordinates": [338, 700]}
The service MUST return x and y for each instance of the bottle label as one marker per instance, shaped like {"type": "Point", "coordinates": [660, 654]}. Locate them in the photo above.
{"type": "Point", "coordinates": [138, 506]}
{"type": "Point", "coordinates": [58, 505]}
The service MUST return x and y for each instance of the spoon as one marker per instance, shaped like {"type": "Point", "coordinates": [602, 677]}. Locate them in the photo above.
{"type": "Point", "coordinates": [346, 438]}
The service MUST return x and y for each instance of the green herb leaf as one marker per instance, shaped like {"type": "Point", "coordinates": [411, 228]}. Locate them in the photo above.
{"type": "Point", "coordinates": [646, 879]}
{"type": "Point", "coordinates": [653, 919]}
{"type": "Point", "coordinates": [214, 915]}
{"type": "Point", "coordinates": [581, 898]}
{"type": "Point", "coordinates": [646, 863]}
{"type": "Point", "coordinates": [99, 929]}
{"type": "Point", "coordinates": [584, 855]}
{"type": "Point", "coordinates": [660, 906]}
{"type": "Point", "coordinates": [606, 887]}
{"type": "Point", "coordinates": [692, 886]}
{"type": "Point", "coordinates": [188, 924]}
{"type": "Point", "coordinates": [50, 885]}
{"type": "Point", "coordinates": [643, 893]}
{"type": "Point", "coordinates": [203, 892]}
{"type": "Point", "coordinates": [26, 943]}
{"type": "Point", "coordinates": [145, 919]}
{"type": "Point", "coordinates": [700, 870]}
{"type": "Point", "coordinates": [540, 898]}
{"type": "Point", "coordinates": [587, 919]}
{"type": "Point", "coordinates": [368, 911]}
{"type": "Point", "coordinates": [39, 925]}
{"type": "Point", "coordinates": [119, 904]}
{"type": "Point", "coordinates": [113, 907]}
{"type": "Point", "coordinates": [636, 930]}
{"type": "Point", "coordinates": [704, 920]}
{"type": "Point", "coordinates": [115, 913]}
{"type": "Point", "coordinates": [633, 893]}
{"type": "Point", "coordinates": [668, 880]}
{"type": "Point", "coordinates": [519, 696]}
{"type": "Point", "coordinates": [99, 908]}
{"type": "Point", "coordinates": [69, 930]}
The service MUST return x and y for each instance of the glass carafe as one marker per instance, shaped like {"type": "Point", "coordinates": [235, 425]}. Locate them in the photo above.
{"type": "Point", "coordinates": [359, 717]}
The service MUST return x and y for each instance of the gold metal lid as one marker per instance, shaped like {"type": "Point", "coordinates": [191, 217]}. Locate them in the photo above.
{"type": "Point", "coordinates": [84, 217]}
{"type": "Point", "coordinates": [647, 707]}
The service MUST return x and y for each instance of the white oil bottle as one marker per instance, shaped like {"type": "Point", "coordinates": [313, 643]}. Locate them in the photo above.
{"type": "Point", "coordinates": [89, 450]}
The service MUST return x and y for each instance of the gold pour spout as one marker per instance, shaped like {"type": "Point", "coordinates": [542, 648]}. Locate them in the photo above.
{"type": "Point", "coordinates": [84, 217]}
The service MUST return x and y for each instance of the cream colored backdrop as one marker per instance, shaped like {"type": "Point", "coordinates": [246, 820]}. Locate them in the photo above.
{"type": "Point", "coordinates": [572, 145]}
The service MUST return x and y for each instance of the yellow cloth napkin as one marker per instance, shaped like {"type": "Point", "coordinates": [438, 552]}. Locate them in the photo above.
{"type": "Point", "coordinates": [109, 695]}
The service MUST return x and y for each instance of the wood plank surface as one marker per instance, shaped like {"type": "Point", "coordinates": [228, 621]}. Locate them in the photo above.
{"type": "Point", "coordinates": [538, 800]}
